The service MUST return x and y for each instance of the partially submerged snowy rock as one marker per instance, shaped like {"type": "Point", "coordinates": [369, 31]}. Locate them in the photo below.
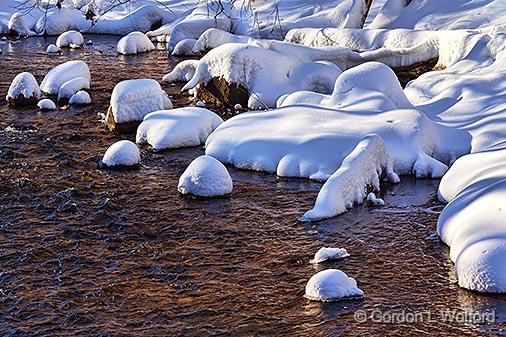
{"type": "Point", "coordinates": [168, 129]}
{"type": "Point", "coordinates": [205, 177]}
{"type": "Point", "coordinates": [52, 49]}
{"type": "Point", "coordinates": [323, 254]}
{"type": "Point", "coordinates": [331, 285]}
{"type": "Point", "coordinates": [131, 100]}
{"type": "Point", "coordinates": [371, 197]}
{"type": "Point", "coordinates": [46, 104]}
{"type": "Point", "coordinates": [69, 88]}
{"type": "Point", "coordinates": [123, 153]}
{"type": "Point", "coordinates": [134, 43]}
{"type": "Point", "coordinates": [70, 38]}
{"type": "Point", "coordinates": [361, 171]}
{"type": "Point", "coordinates": [184, 47]}
{"type": "Point", "coordinates": [80, 98]}
{"type": "Point", "coordinates": [62, 73]}
{"type": "Point", "coordinates": [24, 90]}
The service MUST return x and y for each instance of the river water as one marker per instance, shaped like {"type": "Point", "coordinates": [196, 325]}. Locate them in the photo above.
{"type": "Point", "coordinates": [85, 251]}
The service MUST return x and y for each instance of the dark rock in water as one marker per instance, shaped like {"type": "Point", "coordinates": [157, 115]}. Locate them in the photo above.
{"type": "Point", "coordinates": [21, 100]}
{"type": "Point", "coordinates": [413, 71]}
{"type": "Point", "coordinates": [121, 128]}
{"type": "Point", "coordinates": [221, 93]}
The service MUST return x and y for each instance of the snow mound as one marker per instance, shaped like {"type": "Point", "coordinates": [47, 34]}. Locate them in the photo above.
{"type": "Point", "coordinates": [122, 153]}
{"type": "Point", "coordinates": [63, 73]}
{"type": "Point", "coordinates": [360, 171]}
{"type": "Point", "coordinates": [131, 100]}
{"type": "Point", "coordinates": [168, 129]}
{"type": "Point", "coordinates": [183, 71]}
{"type": "Point", "coordinates": [133, 43]}
{"type": "Point", "coordinates": [323, 254]}
{"type": "Point", "coordinates": [72, 86]}
{"type": "Point", "coordinates": [265, 73]}
{"type": "Point", "coordinates": [21, 24]}
{"type": "Point", "coordinates": [205, 177]}
{"type": "Point", "coordinates": [24, 90]}
{"type": "Point", "coordinates": [60, 20]}
{"type": "Point", "coordinates": [46, 104]}
{"type": "Point", "coordinates": [192, 28]}
{"type": "Point", "coordinates": [80, 98]}
{"type": "Point", "coordinates": [70, 38]}
{"type": "Point", "coordinates": [52, 49]}
{"type": "Point", "coordinates": [214, 37]}
{"type": "Point", "coordinates": [184, 47]}
{"type": "Point", "coordinates": [331, 285]}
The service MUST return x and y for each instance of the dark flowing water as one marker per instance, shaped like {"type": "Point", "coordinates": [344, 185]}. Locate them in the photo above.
{"type": "Point", "coordinates": [85, 251]}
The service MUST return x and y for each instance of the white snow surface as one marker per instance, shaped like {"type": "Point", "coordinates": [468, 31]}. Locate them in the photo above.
{"type": "Point", "coordinates": [134, 43]}
{"type": "Point", "coordinates": [46, 104]}
{"type": "Point", "coordinates": [323, 254]}
{"type": "Point", "coordinates": [360, 170]}
{"type": "Point", "coordinates": [182, 127]}
{"type": "Point", "coordinates": [80, 98]}
{"type": "Point", "coordinates": [122, 153]}
{"type": "Point", "coordinates": [205, 177]}
{"type": "Point", "coordinates": [69, 38]}
{"type": "Point", "coordinates": [331, 285]}
{"type": "Point", "coordinates": [62, 73]}
{"type": "Point", "coordinates": [72, 86]}
{"type": "Point", "coordinates": [131, 100]}
{"type": "Point", "coordinates": [23, 85]}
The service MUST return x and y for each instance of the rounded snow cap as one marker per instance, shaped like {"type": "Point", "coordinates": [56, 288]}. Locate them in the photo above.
{"type": "Point", "coordinates": [46, 104]}
{"type": "Point", "coordinates": [205, 177]}
{"type": "Point", "coordinates": [122, 153]}
{"type": "Point", "coordinates": [331, 285]}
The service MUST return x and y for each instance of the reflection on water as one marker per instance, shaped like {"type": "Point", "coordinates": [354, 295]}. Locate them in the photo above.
{"type": "Point", "coordinates": [87, 251]}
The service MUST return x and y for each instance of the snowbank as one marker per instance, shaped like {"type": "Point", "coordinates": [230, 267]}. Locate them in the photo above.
{"type": "Point", "coordinates": [360, 171]}
{"type": "Point", "coordinates": [133, 43]}
{"type": "Point", "coordinates": [62, 73]}
{"type": "Point", "coordinates": [168, 129]}
{"type": "Point", "coordinates": [205, 177]}
{"type": "Point", "coordinates": [131, 100]}
{"type": "Point", "coordinates": [70, 38]}
{"type": "Point", "coordinates": [323, 254]}
{"type": "Point", "coordinates": [122, 153]}
{"type": "Point", "coordinates": [72, 86]}
{"type": "Point", "coordinates": [46, 104]}
{"type": "Point", "coordinates": [80, 98]}
{"type": "Point", "coordinates": [24, 90]}
{"type": "Point", "coordinates": [331, 285]}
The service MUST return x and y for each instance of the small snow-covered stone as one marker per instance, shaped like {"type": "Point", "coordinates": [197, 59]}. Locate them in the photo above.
{"type": "Point", "coordinates": [89, 42]}
{"type": "Point", "coordinates": [70, 38]}
{"type": "Point", "coordinates": [205, 177]}
{"type": "Point", "coordinates": [80, 98]}
{"type": "Point", "coordinates": [62, 73]}
{"type": "Point", "coordinates": [371, 197]}
{"type": "Point", "coordinates": [237, 107]}
{"type": "Point", "coordinates": [200, 104]}
{"type": "Point", "coordinates": [52, 49]}
{"type": "Point", "coordinates": [122, 153]}
{"type": "Point", "coordinates": [46, 104]}
{"type": "Point", "coordinates": [324, 254]}
{"type": "Point", "coordinates": [134, 43]}
{"type": "Point", "coordinates": [24, 90]}
{"type": "Point", "coordinates": [331, 285]}
{"type": "Point", "coordinates": [72, 86]}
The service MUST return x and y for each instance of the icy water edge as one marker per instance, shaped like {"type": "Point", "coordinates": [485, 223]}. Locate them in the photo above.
{"type": "Point", "coordinates": [85, 251]}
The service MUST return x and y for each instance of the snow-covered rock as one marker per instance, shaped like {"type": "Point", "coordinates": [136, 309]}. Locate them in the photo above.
{"type": "Point", "coordinates": [359, 172]}
{"type": "Point", "coordinates": [52, 49]}
{"type": "Point", "coordinates": [331, 285]}
{"type": "Point", "coordinates": [134, 43]}
{"type": "Point", "coordinates": [122, 153]}
{"type": "Point", "coordinates": [205, 177]}
{"type": "Point", "coordinates": [184, 47]}
{"type": "Point", "coordinates": [46, 104]}
{"type": "Point", "coordinates": [80, 98]}
{"type": "Point", "coordinates": [57, 21]}
{"type": "Point", "coordinates": [24, 90]}
{"type": "Point", "coordinates": [21, 24]}
{"type": "Point", "coordinates": [72, 86]}
{"type": "Point", "coordinates": [131, 100]}
{"type": "Point", "coordinates": [70, 38]}
{"type": "Point", "coordinates": [371, 197]}
{"type": "Point", "coordinates": [182, 127]}
{"type": "Point", "coordinates": [214, 37]}
{"type": "Point", "coordinates": [62, 73]}
{"type": "Point", "coordinates": [323, 254]}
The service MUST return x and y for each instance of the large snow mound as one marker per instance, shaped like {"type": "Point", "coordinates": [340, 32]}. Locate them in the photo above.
{"type": "Point", "coordinates": [63, 73]}
{"type": "Point", "coordinates": [131, 100]}
{"type": "Point", "coordinates": [122, 153]}
{"type": "Point", "coordinates": [70, 38]}
{"type": "Point", "coordinates": [133, 43]}
{"type": "Point", "coordinates": [24, 89]}
{"type": "Point", "coordinates": [168, 129]}
{"type": "Point", "coordinates": [205, 177]}
{"type": "Point", "coordinates": [331, 285]}
{"type": "Point", "coordinates": [361, 170]}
